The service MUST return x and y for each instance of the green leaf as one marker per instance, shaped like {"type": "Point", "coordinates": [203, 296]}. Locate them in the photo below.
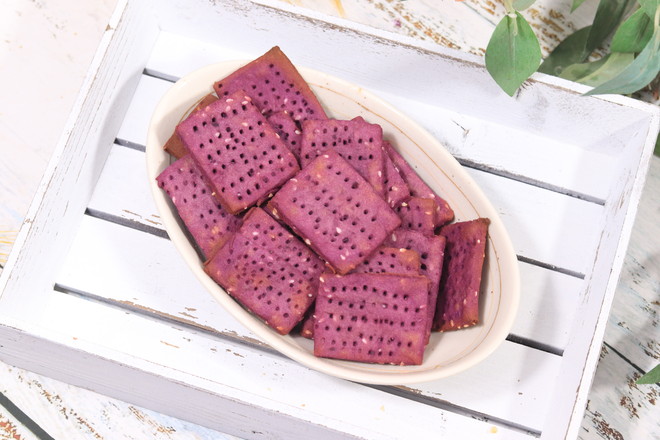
{"type": "Point", "coordinates": [576, 4]}
{"type": "Point", "coordinates": [638, 73]}
{"type": "Point", "coordinates": [608, 16]}
{"type": "Point", "coordinates": [580, 70]}
{"type": "Point", "coordinates": [650, 6]}
{"type": "Point", "coordinates": [633, 34]}
{"type": "Point", "coordinates": [521, 5]}
{"type": "Point", "coordinates": [652, 376]}
{"type": "Point", "coordinates": [513, 52]}
{"type": "Point", "coordinates": [597, 72]}
{"type": "Point", "coordinates": [570, 51]}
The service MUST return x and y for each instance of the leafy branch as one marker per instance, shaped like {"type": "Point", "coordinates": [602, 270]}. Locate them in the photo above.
{"type": "Point", "coordinates": [630, 27]}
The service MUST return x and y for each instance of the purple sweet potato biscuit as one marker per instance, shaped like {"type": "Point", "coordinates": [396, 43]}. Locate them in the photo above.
{"type": "Point", "coordinates": [419, 188]}
{"type": "Point", "coordinates": [206, 220]}
{"type": "Point", "coordinates": [396, 189]}
{"type": "Point", "coordinates": [288, 130]}
{"type": "Point", "coordinates": [238, 151]}
{"type": "Point", "coordinates": [174, 144]}
{"type": "Point", "coordinates": [418, 214]}
{"type": "Point", "coordinates": [307, 324]}
{"type": "Point", "coordinates": [335, 211]}
{"type": "Point", "coordinates": [357, 141]}
{"type": "Point", "coordinates": [268, 270]}
{"type": "Point", "coordinates": [383, 260]}
{"type": "Point", "coordinates": [391, 260]}
{"type": "Point", "coordinates": [377, 318]}
{"type": "Point", "coordinates": [274, 84]}
{"type": "Point", "coordinates": [458, 301]}
{"type": "Point", "coordinates": [431, 250]}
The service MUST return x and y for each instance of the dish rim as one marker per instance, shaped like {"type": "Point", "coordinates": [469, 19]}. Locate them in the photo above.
{"type": "Point", "coordinates": [178, 96]}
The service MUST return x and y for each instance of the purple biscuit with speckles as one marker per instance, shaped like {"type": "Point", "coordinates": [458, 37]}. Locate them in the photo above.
{"type": "Point", "coordinates": [274, 84]}
{"type": "Point", "coordinates": [391, 260]}
{"type": "Point", "coordinates": [207, 221]}
{"type": "Point", "coordinates": [238, 151]}
{"type": "Point", "coordinates": [418, 188]}
{"type": "Point", "coordinates": [396, 189]}
{"type": "Point", "coordinates": [174, 145]}
{"type": "Point", "coordinates": [418, 214]}
{"type": "Point", "coordinates": [458, 301]}
{"type": "Point", "coordinates": [431, 250]}
{"type": "Point", "coordinates": [376, 318]}
{"type": "Point", "coordinates": [335, 211]}
{"type": "Point", "coordinates": [288, 130]}
{"type": "Point", "coordinates": [357, 141]}
{"type": "Point", "coordinates": [307, 324]}
{"type": "Point", "coordinates": [268, 270]}
{"type": "Point", "coordinates": [383, 260]}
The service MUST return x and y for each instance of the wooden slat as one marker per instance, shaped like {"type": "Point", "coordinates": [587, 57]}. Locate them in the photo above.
{"type": "Point", "coordinates": [425, 74]}
{"type": "Point", "coordinates": [143, 271]}
{"type": "Point", "coordinates": [136, 121]}
{"type": "Point", "coordinates": [617, 407]}
{"type": "Point", "coordinates": [595, 307]}
{"type": "Point", "coordinates": [11, 427]}
{"type": "Point", "coordinates": [189, 54]}
{"type": "Point", "coordinates": [512, 384]}
{"type": "Point", "coordinates": [418, 20]}
{"type": "Point", "coordinates": [637, 295]}
{"type": "Point", "coordinates": [548, 299]}
{"type": "Point", "coordinates": [548, 303]}
{"type": "Point", "coordinates": [130, 197]}
{"type": "Point", "coordinates": [521, 154]}
{"type": "Point", "coordinates": [545, 226]}
{"type": "Point", "coordinates": [462, 25]}
{"type": "Point", "coordinates": [540, 222]}
{"type": "Point", "coordinates": [477, 142]}
{"type": "Point", "coordinates": [183, 363]}
{"type": "Point", "coordinates": [64, 411]}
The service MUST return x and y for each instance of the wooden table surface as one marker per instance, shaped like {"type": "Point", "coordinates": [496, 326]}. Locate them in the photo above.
{"type": "Point", "coordinates": [46, 47]}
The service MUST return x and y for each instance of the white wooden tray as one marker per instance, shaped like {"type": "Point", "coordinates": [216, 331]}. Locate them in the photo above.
{"type": "Point", "coordinates": [95, 294]}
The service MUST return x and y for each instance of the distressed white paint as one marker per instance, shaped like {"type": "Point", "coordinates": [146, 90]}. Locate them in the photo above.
{"type": "Point", "coordinates": [31, 300]}
{"type": "Point", "coordinates": [634, 323]}
{"type": "Point", "coordinates": [130, 197]}
{"type": "Point", "coordinates": [544, 225]}
{"type": "Point", "coordinates": [516, 393]}
{"type": "Point", "coordinates": [482, 143]}
{"type": "Point", "coordinates": [12, 429]}
{"type": "Point", "coordinates": [142, 271]}
{"type": "Point", "coordinates": [226, 386]}
{"type": "Point", "coordinates": [67, 412]}
{"type": "Point", "coordinates": [134, 126]}
{"type": "Point", "coordinates": [623, 410]}
{"type": "Point", "coordinates": [616, 228]}
{"type": "Point", "coordinates": [558, 112]}
{"type": "Point", "coordinates": [462, 25]}
{"type": "Point", "coordinates": [548, 303]}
